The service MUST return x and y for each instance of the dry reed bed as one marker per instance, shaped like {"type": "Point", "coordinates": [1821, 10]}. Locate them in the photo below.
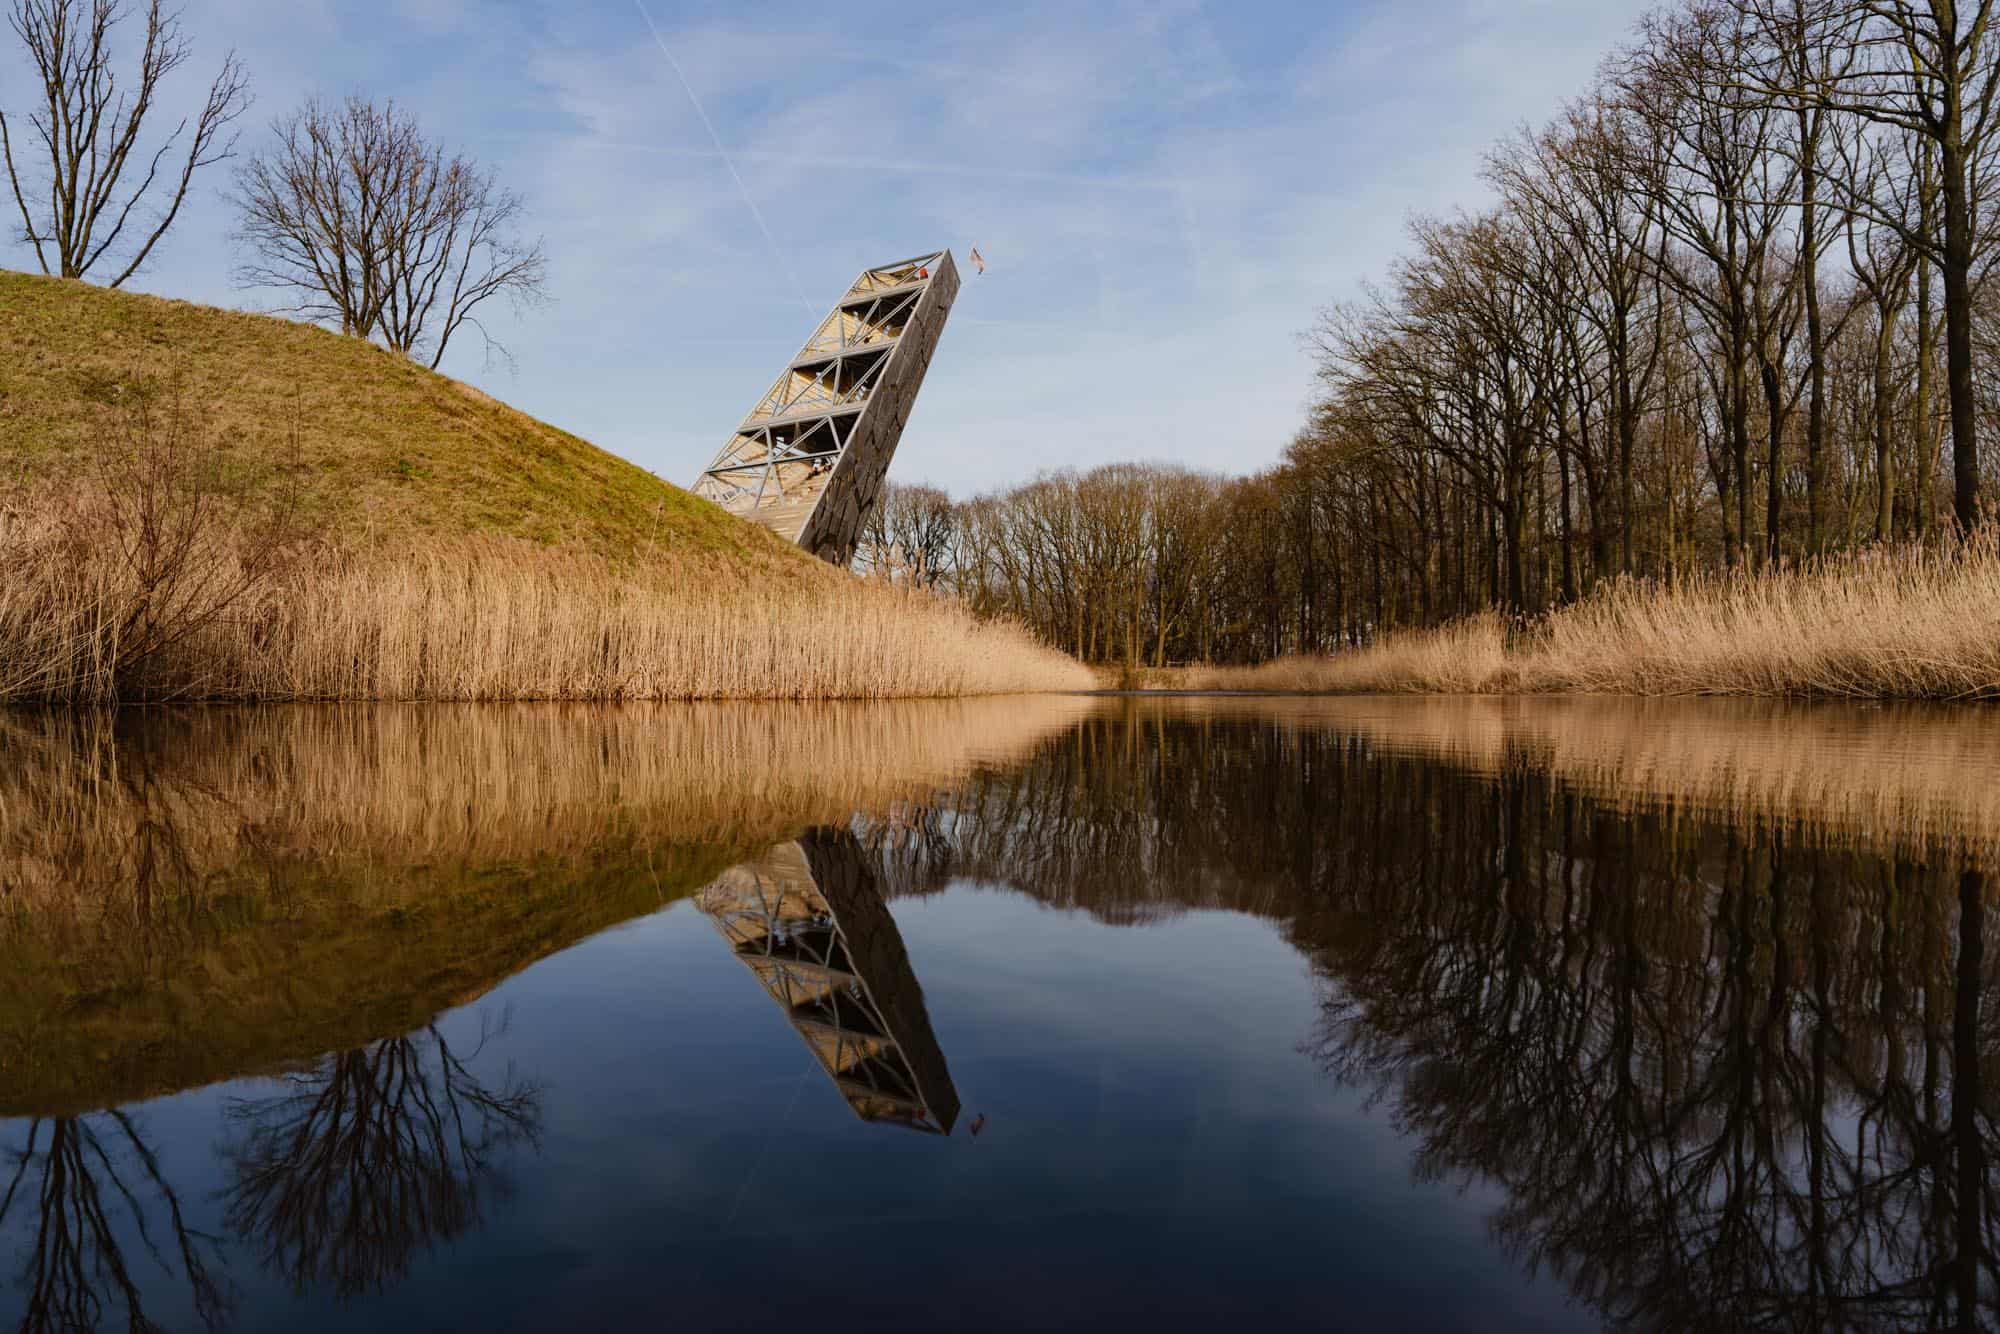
{"type": "Point", "coordinates": [1901, 624]}
{"type": "Point", "coordinates": [485, 619]}
{"type": "Point", "coordinates": [1464, 657]}
{"type": "Point", "coordinates": [1917, 781]}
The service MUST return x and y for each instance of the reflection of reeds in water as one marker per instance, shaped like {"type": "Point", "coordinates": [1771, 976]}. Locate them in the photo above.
{"type": "Point", "coordinates": [197, 893]}
{"type": "Point", "coordinates": [79, 793]}
{"type": "Point", "coordinates": [1904, 778]}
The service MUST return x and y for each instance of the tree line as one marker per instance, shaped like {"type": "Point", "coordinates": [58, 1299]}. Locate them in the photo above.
{"type": "Point", "coordinates": [1730, 307]}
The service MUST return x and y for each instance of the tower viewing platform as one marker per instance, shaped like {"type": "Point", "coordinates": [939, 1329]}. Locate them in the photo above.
{"type": "Point", "coordinates": [808, 460]}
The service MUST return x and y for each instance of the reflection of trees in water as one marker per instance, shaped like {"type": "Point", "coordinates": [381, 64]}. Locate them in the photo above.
{"type": "Point", "coordinates": [1725, 1082]}
{"type": "Point", "coordinates": [1727, 1078]}
{"type": "Point", "coordinates": [339, 1181]}
{"type": "Point", "coordinates": [77, 1183]}
{"type": "Point", "coordinates": [374, 1155]}
{"type": "Point", "coordinates": [1131, 820]}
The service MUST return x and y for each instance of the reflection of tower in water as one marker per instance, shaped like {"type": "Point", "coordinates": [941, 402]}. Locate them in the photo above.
{"type": "Point", "coordinates": [809, 923]}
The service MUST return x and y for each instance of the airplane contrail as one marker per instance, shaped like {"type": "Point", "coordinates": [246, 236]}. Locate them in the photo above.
{"type": "Point", "coordinates": [727, 161]}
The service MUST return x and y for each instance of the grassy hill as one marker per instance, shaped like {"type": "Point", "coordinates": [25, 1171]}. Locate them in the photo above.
{"type": "Point", "coordinates": [444, 545]}
{"type": "Point", "coordinates": [387, 449]}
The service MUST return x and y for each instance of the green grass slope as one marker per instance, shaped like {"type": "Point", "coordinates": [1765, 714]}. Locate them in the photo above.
{"type": "Point", "coordinates": [385, 449]}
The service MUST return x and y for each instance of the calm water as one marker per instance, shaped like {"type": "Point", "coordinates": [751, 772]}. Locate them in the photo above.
{"type": "Point", "coordinates": [1004, 1014]}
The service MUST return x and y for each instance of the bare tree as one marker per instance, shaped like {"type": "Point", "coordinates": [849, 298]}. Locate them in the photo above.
{"type": "Point", "coordinates": [912, 534]}
{"type": "Point", "coordinates": [1925, 68]}
{"type": "Point", "coordinates": [368, 225]}
{"type": "Point", "coordinates": [1576, 177]}
{"type": "Point", "coordinates": [1722, 185]}
{"type": "Point", "coordinates": [1882, 265]}
{"type": "Point", "coordinates": [89, 126]}
{"type": "Point", "coordinates": [1600, 375]}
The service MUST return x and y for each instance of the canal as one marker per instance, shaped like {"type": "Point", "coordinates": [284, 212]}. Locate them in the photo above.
{"type": "Point", "coordinates": [1051, 1012]}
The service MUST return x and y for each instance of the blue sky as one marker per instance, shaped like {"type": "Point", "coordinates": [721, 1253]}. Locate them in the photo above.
{"type": "Point", "coordinates": [1165, 193]}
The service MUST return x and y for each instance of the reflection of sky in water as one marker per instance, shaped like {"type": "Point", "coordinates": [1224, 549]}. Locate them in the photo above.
{"type": "Point", "coordinates": [1154, 1140]}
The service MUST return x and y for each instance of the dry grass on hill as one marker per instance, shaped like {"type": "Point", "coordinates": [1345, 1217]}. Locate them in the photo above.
{"type": "Point", "coordinates": [487, 619]}
{"type": "Point", "coordinates": [1904, 624]}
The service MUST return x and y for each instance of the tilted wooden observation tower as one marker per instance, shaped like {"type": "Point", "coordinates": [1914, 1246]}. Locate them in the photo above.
{"type": "Point", "coordinates": [808, 461]}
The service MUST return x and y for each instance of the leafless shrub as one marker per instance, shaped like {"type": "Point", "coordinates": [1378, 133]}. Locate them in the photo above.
{"type": "Point", "coordinates": [185, 563]}
{"type": "Point", "coordinates": [115, 578]}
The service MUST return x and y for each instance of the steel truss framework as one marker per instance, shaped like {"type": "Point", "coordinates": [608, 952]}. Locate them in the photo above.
{"type": "Point", "coordinates": [809, 458]}
{"type": "Point", "coordinates": [808, 922]}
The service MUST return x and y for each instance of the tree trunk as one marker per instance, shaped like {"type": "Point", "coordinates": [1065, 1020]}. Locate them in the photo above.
{"type": "Point", "coordinates": [1774, 471]}
{"type": "Point", "coordinates": [1925, 443]}
{"type": "Point", "coordinates": [1516, 530]}
{"type": "Point", "coordinates": [1568, 557]}
{"type": "Point", "coordinates": [1885, 472]}
{"type": "Point", "coordinates": [1958, 326]}
{"type": "Point", "coordinates": [1815, 341]}
{"type": "Point", "coordinates": [1737, 543]}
